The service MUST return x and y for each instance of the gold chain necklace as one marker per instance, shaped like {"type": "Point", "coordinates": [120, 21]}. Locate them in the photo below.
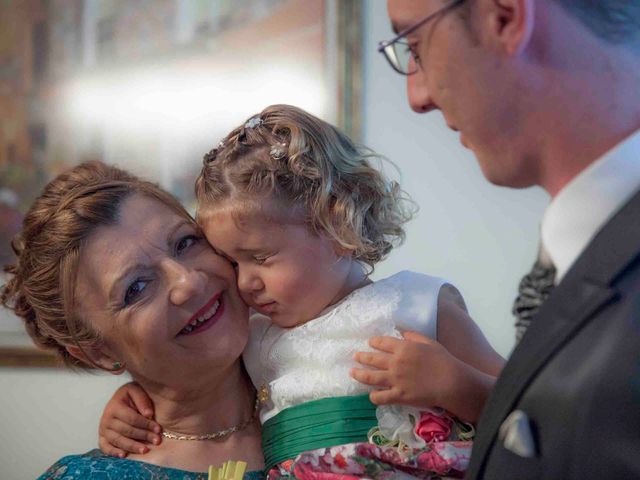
{"type": "Point", "coordinates": [219, 433]}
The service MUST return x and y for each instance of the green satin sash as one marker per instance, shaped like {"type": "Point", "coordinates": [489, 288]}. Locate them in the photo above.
{"type": "Point", "coordinates": [317, 424]}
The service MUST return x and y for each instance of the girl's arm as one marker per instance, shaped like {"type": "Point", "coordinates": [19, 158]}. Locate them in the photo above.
{"type": "Point", "coordinates": [127, 421]}
{"type": "Point", "coordinates": [461, 336]}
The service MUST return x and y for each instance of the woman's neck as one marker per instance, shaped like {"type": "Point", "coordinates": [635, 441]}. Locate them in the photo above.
{"type": "Point", "coordinates": [210, 405]}
{"type": "Point", "coordinates": [196, 410]}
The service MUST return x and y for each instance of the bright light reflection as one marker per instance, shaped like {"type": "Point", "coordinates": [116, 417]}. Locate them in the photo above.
{"type": "Point", "coordinates": [155, 101]}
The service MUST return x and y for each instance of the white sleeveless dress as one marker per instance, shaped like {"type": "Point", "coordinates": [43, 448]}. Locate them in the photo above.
{"type": "Point", "coordinates": [312, 361]}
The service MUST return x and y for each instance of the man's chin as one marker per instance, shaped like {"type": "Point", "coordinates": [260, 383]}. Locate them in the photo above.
{"type": "Point", "coordinates": [498, 175]}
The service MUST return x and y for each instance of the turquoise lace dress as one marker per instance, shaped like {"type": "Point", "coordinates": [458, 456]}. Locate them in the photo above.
{"type": "Point", "coordinates": [94, 465]}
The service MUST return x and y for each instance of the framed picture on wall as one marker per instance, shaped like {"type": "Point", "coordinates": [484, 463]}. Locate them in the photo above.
{"type": "Point", "coordinates": [151, 85]}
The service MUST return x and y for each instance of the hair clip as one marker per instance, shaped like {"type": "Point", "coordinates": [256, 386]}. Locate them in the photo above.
{"type": "Point", "coordinates": [253, 122]}
{"type": "Point", "coordinates": [212, 154]}
{"type": "Point", "coordinates": [278, 151]}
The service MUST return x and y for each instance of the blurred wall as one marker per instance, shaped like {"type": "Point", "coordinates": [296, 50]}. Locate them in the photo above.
{"type": "Point", "coordinates": [46, 414]}
{"type": "Point", "coordinates": [480, 237]}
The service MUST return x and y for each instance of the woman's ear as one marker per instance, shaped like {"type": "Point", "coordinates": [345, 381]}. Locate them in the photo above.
{"type": "Point", "coordinates": [96, 357]}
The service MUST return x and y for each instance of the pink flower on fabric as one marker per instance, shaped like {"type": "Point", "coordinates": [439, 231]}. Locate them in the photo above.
{"type": "Point", "coordinates": [433, 428]}
{"type": "Point", "coordinates": [431, 461]}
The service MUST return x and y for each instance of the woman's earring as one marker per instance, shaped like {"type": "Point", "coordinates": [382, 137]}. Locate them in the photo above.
{"type": "Point", "coordinates": [116, 365]}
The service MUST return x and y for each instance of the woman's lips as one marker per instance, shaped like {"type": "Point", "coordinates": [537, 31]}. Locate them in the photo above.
{"type": "Point", "coordinates": [205, 318]}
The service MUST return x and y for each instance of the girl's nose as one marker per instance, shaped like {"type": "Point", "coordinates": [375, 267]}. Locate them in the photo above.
{"type": "Point", "coordinates": [249, 282]}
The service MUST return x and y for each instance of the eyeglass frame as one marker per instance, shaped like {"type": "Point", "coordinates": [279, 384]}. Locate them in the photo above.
{"type": "Point", "coordinates": [383, 45]}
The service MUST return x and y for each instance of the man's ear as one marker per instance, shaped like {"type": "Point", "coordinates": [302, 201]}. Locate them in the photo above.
{"type": "Point", "coordinates": [510, 24]}
{"type": "Point", "coordinates": [96, 357]}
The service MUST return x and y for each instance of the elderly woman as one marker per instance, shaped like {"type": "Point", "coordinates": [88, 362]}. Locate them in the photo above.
{"type": "Point", "coordinates": [113, 273]}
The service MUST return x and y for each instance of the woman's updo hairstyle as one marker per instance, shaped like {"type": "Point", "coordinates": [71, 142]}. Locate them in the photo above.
{"type": "Point", "coordinates": [41, 286]}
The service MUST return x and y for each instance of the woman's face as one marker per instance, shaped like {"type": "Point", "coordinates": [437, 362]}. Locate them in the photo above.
{"type": "Point", "coordinates": [163, 302]}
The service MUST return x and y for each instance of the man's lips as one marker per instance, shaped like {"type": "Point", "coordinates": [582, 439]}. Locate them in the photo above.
{"type": "Point", "coordinates": [206, 317]}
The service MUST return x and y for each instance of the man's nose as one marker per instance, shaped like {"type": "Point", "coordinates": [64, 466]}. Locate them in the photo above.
{"type": "Point", "coordinates": [418, 93]}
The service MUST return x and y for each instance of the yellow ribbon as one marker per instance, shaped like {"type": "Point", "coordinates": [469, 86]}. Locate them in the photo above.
{"type": "Point", "coordinates": [230, 470]}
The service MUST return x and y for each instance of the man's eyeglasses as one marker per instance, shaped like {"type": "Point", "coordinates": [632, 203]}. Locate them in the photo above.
{"type": "Point", "coordinates": [398, 53]}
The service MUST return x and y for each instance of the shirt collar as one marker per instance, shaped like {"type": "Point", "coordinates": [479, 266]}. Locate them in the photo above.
{"type": "Point", "coordinates": [585, 204]}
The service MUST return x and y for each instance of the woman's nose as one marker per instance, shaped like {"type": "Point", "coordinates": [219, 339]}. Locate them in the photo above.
{"type": "Point", "coordinates": [418, 94]}
{"type": "Point", "coordinates": [184, 282]}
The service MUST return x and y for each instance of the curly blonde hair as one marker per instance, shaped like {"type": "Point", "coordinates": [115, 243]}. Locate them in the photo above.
{"type": "Point", "coordinates": [307, 164]}
{"type": "Point", "coordinates": [42, 284]}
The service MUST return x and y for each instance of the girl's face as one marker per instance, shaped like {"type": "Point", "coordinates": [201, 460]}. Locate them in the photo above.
{"type": "Point", "coordinates": [163, 301]}
{"type": "Point", "coordinates": [284, 271]}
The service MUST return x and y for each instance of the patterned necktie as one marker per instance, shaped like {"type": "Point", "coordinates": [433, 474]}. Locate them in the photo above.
{"type": "Point", "coordinates": [534, 289]}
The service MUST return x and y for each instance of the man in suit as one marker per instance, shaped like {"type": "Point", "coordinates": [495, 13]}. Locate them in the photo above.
{"type": "Point", "coordinates": [547, 92]}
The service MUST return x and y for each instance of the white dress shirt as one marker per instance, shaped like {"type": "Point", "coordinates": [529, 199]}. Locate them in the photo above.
{"type": "Point", "coordinates": [588, 201]}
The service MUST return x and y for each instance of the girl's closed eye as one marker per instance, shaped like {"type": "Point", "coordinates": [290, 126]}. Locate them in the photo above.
{"type": "Point", "coordinates": [260, 259]}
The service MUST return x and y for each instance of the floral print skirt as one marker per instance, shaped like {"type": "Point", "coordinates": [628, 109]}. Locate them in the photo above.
{"type": "Point", "coordinates": [437, 460]}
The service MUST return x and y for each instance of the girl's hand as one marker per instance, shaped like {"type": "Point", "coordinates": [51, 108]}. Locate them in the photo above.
{"type": "Point", "coordinates": [127, 421]}
{"type": "Point", "coordinates": [414, 371]}
{"type": "Point", "coordinates": [420, 372]}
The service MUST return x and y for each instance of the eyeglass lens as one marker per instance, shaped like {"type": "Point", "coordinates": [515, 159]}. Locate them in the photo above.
{"type": "Point", "coordinates": [399, 55]}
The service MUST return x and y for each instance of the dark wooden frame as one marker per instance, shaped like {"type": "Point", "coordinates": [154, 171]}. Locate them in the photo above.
{"type": "Point", "coordinates": [350, 44]}
{"type": "Point", "coordinates": [29, 357]}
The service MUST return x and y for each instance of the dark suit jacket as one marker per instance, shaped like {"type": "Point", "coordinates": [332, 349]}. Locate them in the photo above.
{"type": "Point", "coordinates": [576, 372]}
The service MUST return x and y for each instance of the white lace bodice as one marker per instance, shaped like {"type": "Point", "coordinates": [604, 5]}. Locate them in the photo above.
{"type": "Point", "coordinates": [312, 361]}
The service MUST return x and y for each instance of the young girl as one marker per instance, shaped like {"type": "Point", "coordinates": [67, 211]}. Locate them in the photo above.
{"type": "Point", "coordinates": [296, 206]}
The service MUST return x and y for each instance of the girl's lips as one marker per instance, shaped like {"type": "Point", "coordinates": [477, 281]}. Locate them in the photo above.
{"type": "Point", "coordinates": [208, 323]}
{"type": "Point", "coordinates": [267, 308]}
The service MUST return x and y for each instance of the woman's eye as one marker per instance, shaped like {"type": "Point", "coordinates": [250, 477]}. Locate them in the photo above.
{"type": "Point", "coordinates": [134, 291]}
{"type": "Point", "coordinates": [186, 242]}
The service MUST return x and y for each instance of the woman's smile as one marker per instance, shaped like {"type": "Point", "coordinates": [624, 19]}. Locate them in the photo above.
{"type": "Point", "coordinates": [206, 317]}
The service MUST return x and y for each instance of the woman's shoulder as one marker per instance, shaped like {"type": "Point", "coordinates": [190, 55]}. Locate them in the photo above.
{"type": "Point", "coordinates": [96, 465]}
{"type": "Point", "coordinates": [73, 466]}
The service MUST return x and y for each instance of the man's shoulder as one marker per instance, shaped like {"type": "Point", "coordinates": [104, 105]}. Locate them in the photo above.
{"type": "Point", "coordinates": [613, 252]}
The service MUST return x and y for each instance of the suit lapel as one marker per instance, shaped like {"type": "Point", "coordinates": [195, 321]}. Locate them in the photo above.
{"type": "Point", "coordinates": [584, 290]}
